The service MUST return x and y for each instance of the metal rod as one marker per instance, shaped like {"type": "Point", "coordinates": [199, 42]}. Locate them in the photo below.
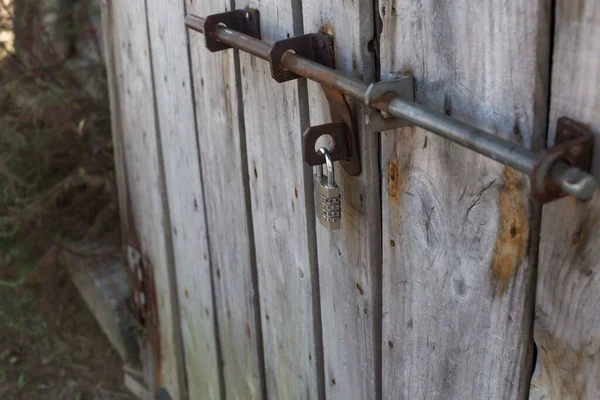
{"type": "Point", "coordinates": [571, 180]}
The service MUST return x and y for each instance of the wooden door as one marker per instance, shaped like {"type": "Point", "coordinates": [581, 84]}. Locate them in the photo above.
{"type": "Point", "coordinates": [431, 287]}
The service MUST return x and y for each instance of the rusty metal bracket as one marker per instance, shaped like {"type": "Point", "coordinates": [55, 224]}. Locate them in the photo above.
{"type": "Point", "coordinates": [143, 302]}
{"type": "Point", "coordinates": [244, 21]}
{"type": "Point", "coordinates": [319, 48]}
{"type": "Point", "coordinates": [314, 46]}
{"type": "Point", "coordinates": [574, 145]}
{"type": "Point", "coordinates": [338, 149]}
{"type": "Point", "coordinates": [378, 121]}
{"type": "Point", "coordinates": [345, 141]}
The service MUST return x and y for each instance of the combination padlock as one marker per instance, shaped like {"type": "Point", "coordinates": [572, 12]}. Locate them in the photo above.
{"type": "Point", "coordinates": [328, 195]}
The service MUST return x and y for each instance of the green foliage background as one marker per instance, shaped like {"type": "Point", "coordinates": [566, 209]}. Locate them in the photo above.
{"type": "Point", "coordinates": [56, 163]}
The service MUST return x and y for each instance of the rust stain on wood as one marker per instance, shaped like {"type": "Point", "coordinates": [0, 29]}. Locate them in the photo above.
{"type": "Point", "coordinates": [249, 331]}
{"type": "Point", "coordinates": [187, 294]}
{"type": "Point", "coordinates": [397, 177]}
{"type": "Point", "coordinates": [326, 29]}
{"type": "Point", "coordinates": [360, 289]}
{"type": "Point", "coordinates": [513, 231]}
{"type": "Point", "coordinates": [393, 183]}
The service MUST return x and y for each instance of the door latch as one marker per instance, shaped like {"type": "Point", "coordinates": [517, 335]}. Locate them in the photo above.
{"type": "Point", "coordinates": [558, 171]}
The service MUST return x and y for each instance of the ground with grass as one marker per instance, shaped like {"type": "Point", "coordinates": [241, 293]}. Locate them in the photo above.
{"type": "Point", "coordinates": [51, 346]}
{"type": "Point", "coordinates": [57, 186]}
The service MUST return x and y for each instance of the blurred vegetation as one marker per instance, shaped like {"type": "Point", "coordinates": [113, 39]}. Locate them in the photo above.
{"type": "Point", "coordinates": [56, 161]}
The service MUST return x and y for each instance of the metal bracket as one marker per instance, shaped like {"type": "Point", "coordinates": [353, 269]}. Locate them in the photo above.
{"type": "Point", "coordinates": [342, 131]}
{"type": "Point", "coordinates": [574, 145]}
{"type": "Point", "coordinates": [314, 46]}
{"type": "Point", "coordinates": [402, 87]}
{"type": "Point", "coordinates": [244, 21]}
{"type": "Point", "coordinates": [338, 150]}
{"type": "Point", "coordinates": [143, 301]}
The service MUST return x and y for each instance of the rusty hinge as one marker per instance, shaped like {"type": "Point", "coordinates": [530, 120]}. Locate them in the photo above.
{"type": "Point", "coordinates": [143, 303]}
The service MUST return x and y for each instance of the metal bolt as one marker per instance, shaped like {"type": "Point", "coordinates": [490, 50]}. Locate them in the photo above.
{"type": "Point", "coordinates": [385, 115]}
{"type": "Point", "coordinates": [575, 150]}
{"type": "Point", "coordinates": [321, 43]}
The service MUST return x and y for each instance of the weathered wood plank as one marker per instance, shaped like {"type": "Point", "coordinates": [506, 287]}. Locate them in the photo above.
{"type": "Point", "coordinates": [282, 210]}
{"type": "Point", "coordinates": [177, 127]}
{"type": "Point", "coordinates": [457, 273]}
{"type": "Point", "coordinates": [98, 271]}
{"type": "Point", "coordinates": [144, 172]}
{"type": "Point", "coordinates": [567, 317]}
{"type": "Point", "coordinates": [350, 259]}
{"type": "Point", "coordinates": [108, 49]}
{"type": "Point", "coordinates": [226, 190]}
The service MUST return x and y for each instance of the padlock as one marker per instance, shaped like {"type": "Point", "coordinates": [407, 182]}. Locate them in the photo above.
{"type": "Point", "coordinates": [328, 195]}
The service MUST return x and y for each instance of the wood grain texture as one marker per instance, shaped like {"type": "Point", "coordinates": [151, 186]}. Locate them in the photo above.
{"type": "Point", "coordinates": [109, 53]}
{"type": "Point", "coordinates": [144, 172]}
{"type": "Point", "coordinates": [457, 275]}
{"type": "Point", "coordinates": [567, 316]}
{"type": "Point", "coordinates": [350, 259]}
{"type": "Point", "coordinates": [281, 189]}
{"type": "Point", "coordinates": [226, 190]}
{"type": "Point", "coordinates": [177, 125]}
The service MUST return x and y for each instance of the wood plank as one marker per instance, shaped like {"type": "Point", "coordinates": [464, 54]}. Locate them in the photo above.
{"type": "Point", "coordinates": [108, 50]}
{"type": "Point", "coordinates": [457, 271]}
{"type": "Point", "coordinates": [188, 231]}
{"type": "Point", "coordinates": [144, 171]}
{"type": "Point", "coordinates": [567, 317]}
{"type": "Point", "coordinates": [226, 190]}
{"type": "Point", "coordinates": [98, 271]}
{"type": "Point", "coordinates": [350, 259]}
{"type": "Point", "coordinates": [282, 210]}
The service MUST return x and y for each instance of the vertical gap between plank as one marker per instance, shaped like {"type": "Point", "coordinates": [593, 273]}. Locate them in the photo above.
{"type": "Point", "coordinates": [171, 270]}
{"type": "Point", "coordinates": [241, 118]}
{"type": "Point", "coordinates": [250, 223]}
{"type": "Point", "coordinates": [311, 228]}
{"type": "Point", "coordinates": [108, 29]}
{"type": "Point", "coordinates": [551, 33]}
{"type": "Point", "coordinates": [545, 54]}
{"type": "Point", "coordinates": [378, 290]}
{"type": "Point", "coordinates": [219, 352]}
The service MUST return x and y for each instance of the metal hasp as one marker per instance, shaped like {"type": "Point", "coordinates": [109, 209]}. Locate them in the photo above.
{"type": "Point", "coordinates": [319, 48]}
{"type": "Point", "coordinates": [314, 47]}
{"type": "Point", "coordinates": [560, 174]}
{"type": "Point", "coordinates": [344, 147]}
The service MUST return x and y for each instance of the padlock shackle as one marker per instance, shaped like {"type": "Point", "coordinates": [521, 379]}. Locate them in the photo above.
{"type": "Point", "coordinates": [329, 163]}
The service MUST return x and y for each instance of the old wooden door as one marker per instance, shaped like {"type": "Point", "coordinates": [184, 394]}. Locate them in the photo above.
{"type": "Point", "coordinates": [443, 263]}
